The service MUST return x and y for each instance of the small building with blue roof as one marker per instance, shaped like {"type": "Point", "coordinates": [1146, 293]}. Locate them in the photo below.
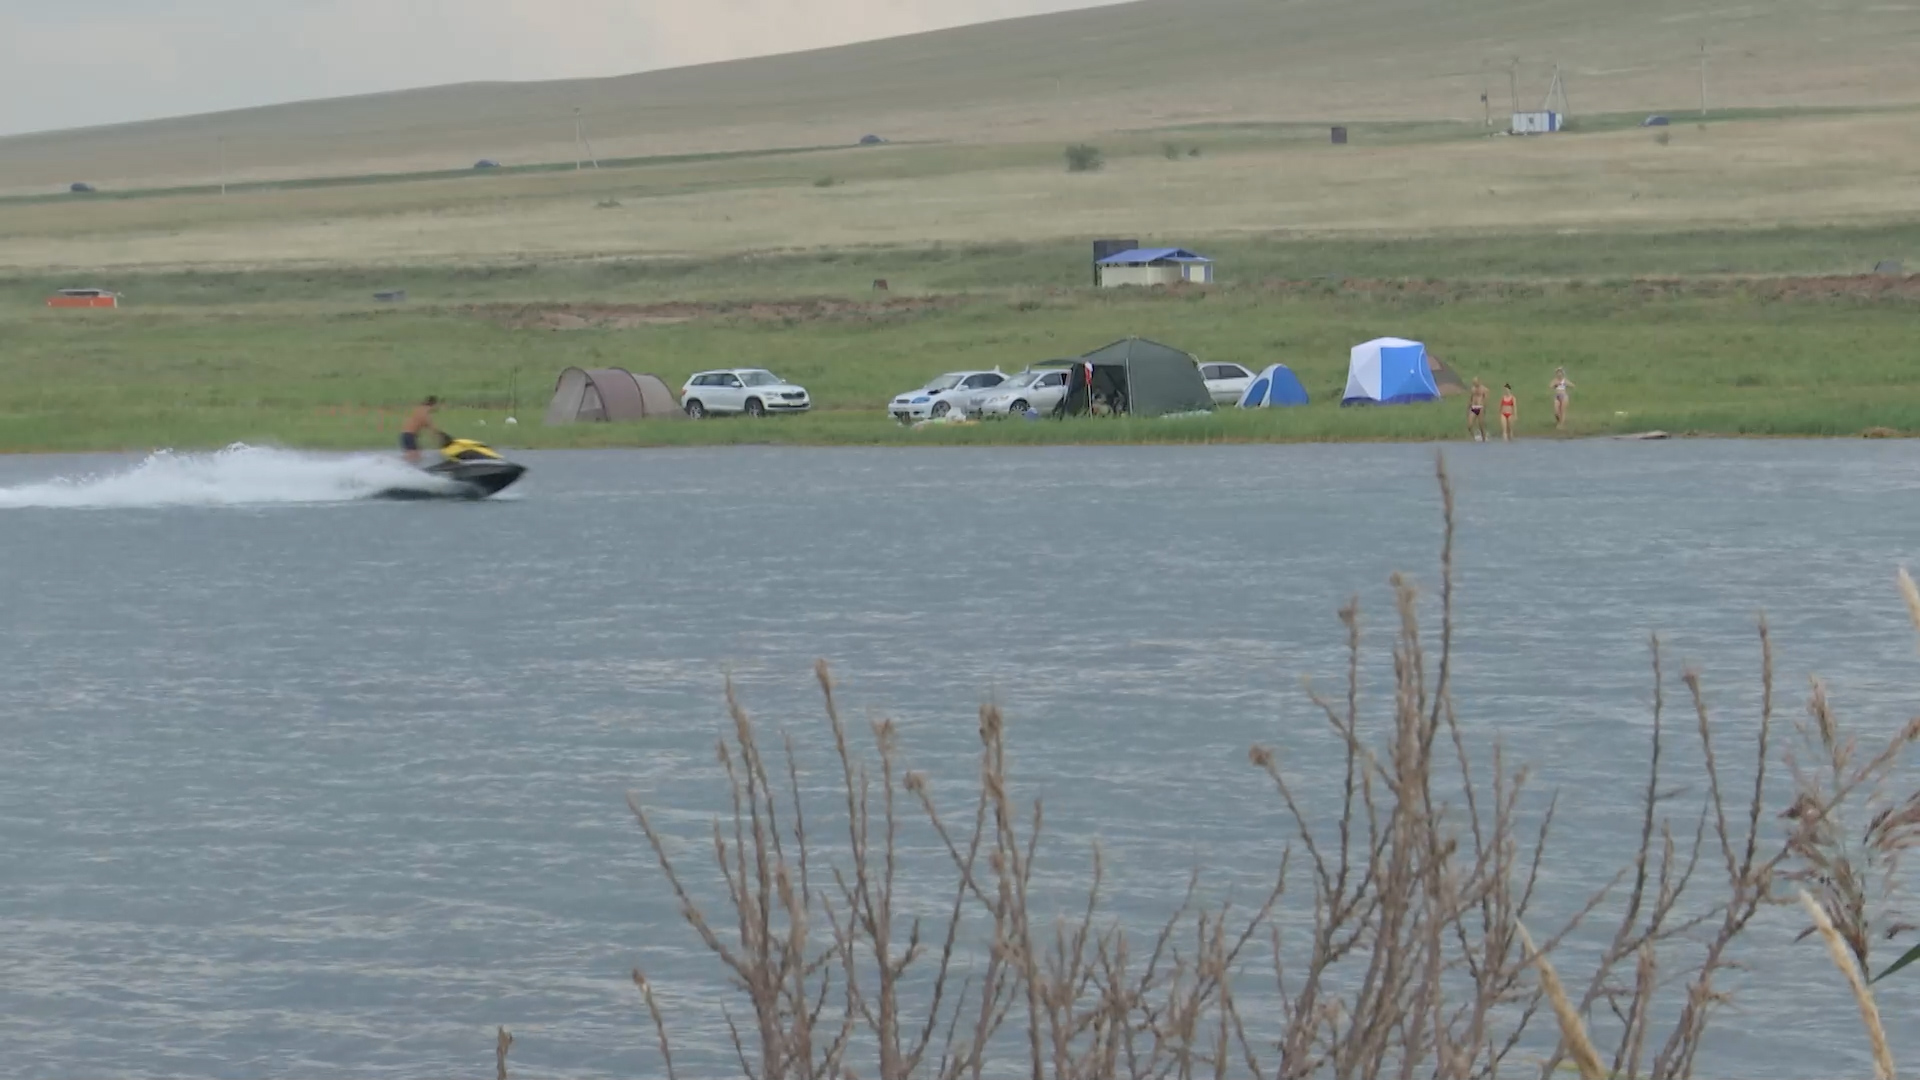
{"type": "Point", "coordinates": [1153, 266]}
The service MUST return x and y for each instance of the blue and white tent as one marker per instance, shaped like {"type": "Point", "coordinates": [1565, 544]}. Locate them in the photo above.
{"type": "Point", "coordinates": [1275, 386]}
{"type": "Point", "coordinates": [1389, 371]}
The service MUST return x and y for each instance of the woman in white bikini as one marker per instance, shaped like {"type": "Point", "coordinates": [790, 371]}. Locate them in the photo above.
{"type": "Point", "coordinates": [1561, 385]}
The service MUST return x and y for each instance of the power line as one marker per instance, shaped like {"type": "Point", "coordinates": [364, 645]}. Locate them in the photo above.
{"type": "Point", "coordinates": [1703, 78]}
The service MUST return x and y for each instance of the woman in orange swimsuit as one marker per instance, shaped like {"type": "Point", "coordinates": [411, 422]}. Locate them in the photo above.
{"type": "Point", "coordinates": [1507, 406]}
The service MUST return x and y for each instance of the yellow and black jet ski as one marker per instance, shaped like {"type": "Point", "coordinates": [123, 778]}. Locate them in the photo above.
{"type": "Point", "coordinates": [475, 468]}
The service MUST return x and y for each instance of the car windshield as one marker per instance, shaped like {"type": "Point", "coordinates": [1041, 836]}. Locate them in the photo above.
{"type": "Point", "coordinates": [759, 378]}
{"type": "Point", "coordinates": [1025, 378]}
{"type": "Point", "coordinates": [944, 382]}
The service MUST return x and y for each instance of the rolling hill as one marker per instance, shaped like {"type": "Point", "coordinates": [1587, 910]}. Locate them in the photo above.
{"type": "Point", "coordinates": [1143, 65]}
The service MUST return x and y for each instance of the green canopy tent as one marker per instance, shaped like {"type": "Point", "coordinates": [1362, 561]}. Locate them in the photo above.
{"type": "Point", "coordinates": [1138, 377]}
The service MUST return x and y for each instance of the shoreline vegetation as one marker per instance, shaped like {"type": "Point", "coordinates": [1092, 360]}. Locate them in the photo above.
{"type": "Point", "coordinates": [308, 360]}
{"type": "Point", "coordinates": [1402, 932]}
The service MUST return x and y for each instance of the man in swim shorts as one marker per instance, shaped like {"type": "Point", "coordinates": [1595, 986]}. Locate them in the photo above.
{"type": "Point", "coordinates": [420, 419]}
{"type": "Point", "coordinates": [1477, 405]}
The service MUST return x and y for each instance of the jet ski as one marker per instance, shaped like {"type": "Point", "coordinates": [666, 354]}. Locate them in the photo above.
{"type": "Point", "coordinates": [475, 469]}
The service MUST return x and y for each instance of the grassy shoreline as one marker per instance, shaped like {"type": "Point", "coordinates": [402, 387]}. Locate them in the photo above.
{"type": "Point", "coordinates": [1771, 362]}
{"type": "Point", "coordinates": [627, 437]}
{"type": "Point", "coordinates": [1706, 333]}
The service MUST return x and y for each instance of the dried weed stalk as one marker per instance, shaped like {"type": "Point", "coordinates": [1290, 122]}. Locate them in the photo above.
{"type": "Point", "coordinates": [1415, 962]}
{"type": "Point", "coordinates": [1843, 959]}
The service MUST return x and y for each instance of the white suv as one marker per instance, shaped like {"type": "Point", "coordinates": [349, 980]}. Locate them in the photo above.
{"type": "Point", "coordinates": [754, 391]}
{"type": "Point", "coordinates": [955, 392]}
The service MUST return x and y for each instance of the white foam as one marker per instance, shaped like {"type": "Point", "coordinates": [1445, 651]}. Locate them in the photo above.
{"type": "Point", "coordinates": [240, 475]}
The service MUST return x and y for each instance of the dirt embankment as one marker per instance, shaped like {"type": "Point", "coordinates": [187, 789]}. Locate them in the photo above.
{"type": "Point", "coordinates": [596, 316]}
{"type": "Point", "coordinates": [1859, 287]}
{"type": "Point", "coordinates": [558, 315]}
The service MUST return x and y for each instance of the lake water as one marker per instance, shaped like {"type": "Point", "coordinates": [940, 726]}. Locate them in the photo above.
{"type": "Point", "coordinates": [293, 784]}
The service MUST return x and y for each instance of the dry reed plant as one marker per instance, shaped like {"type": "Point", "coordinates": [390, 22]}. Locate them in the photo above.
{"type": "Point", "coordinates": [1415, 961]}
{"type": "Point", "coordinates": [1843, 958]}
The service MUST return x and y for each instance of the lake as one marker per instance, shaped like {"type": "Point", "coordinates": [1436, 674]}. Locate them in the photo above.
{"type": "Point", "coordinates": [298, 784]}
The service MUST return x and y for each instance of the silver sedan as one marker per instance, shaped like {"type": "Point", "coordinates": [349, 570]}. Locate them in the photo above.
{"type": "Point", "coordinates": [1039, 390]}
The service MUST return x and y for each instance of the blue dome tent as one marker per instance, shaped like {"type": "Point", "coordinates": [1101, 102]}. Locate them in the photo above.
{"type": "Point", "coordinates": [1277, 385]}
{"type": "Point", "coordinates": [1389, 371]}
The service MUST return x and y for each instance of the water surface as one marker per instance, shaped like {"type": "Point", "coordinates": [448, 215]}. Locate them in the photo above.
{"type": "Point", "coordinates": [294, 784]}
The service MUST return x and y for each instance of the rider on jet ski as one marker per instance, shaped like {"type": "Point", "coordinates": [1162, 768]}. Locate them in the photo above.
{"type": "Point", "coordinates": [420, 419]}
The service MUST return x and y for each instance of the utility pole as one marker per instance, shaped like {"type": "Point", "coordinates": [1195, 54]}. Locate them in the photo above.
{"type": "Point", "coordinates": [1513, 82]}
{"type": "Point", "coordinates": [1486, 107]}
{"type": "Point", "coordinates": [1703, 78]}
{"type": "Point", "coordinates": [582, 149]}
{"type": "Point", "coordinates": [221, 142]}
{"type": "Point", "coordinates": [1556, 100]}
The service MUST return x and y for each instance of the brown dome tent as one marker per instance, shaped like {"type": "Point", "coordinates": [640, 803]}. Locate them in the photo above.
{"type": "Point", "coordinates": [609, 394]}
{"type": "Point", "coordinates": [1444, 377]}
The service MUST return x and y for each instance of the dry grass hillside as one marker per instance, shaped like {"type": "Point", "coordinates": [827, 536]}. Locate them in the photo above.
{"type": "Point", "coordinates": [1139, 65]}
{"type": "Point", "coordinates": [1732, 174]}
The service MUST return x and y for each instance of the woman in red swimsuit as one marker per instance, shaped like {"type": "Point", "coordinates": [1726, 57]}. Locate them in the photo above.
{"type": "Point", "coordinates": [1507, 406]}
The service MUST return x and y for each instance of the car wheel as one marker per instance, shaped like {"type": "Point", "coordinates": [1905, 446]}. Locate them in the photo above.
{"type": "Point", "coordinates": [1018, 408]}
{"type": "Point", "coordinates": [755, 407]}
{"type": "Point", "coordinates": [940, 409]}
{"type": "Point", "coordinates": [695, 409]}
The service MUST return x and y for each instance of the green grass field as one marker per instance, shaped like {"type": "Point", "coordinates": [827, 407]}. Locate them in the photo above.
{"type": "Point", "coordinates": [1767, 357]}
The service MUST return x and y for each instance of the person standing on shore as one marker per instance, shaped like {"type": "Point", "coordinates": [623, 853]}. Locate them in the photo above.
{"type": "Point", "coordinates": [1476, 411]}
{"type": "Point", "coordinates": [1561, 385]}
{"type": "Point", "coordinates": [1507, 407]}
{"type": "Point", "coordinates": [420, 419]}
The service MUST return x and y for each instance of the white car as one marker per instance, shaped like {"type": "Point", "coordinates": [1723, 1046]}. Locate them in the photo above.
{"type": "Point", "coordinates": [754, 391]}
{"type": "Point", "coordinates": [1225, 382]}
{"type": "Point", "coordinates": [1038, 390]}
{"type": "Point", "coordinates": [955, 392]}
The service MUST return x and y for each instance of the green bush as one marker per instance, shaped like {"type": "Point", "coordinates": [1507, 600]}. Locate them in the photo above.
{"type": "Point", "coordinates": [1084, 158]}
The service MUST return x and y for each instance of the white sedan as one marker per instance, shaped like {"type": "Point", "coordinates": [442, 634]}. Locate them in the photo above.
{"type": "Point", "coordinates": [1037, 390]}
{"type": "Point", "coordinates": [1225, 382]}
{"type": "Point", "coordinates": [754, 391]}
{"type": "Point", "coordinates": [955, 392]}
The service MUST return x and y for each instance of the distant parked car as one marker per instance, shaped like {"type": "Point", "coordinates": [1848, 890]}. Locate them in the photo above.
{"type": "Point", "coordinates": [1039, 390]}
{"type": "Point", "coordinates": [956, 391]}
{"type": "Point", "coordinates": [80, 188]}
{"type": "Point", "coordinates": [486, 163]}
{"type": "Point", "coordinates": [1225, 382]}
{"type": "Point", "coordinates": [753, 391]}
{"type": "Point", "coordinates": [84, 298]}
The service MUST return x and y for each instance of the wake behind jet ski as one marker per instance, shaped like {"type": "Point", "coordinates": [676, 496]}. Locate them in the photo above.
{"type": "Point", "coordinates": [475, 470]}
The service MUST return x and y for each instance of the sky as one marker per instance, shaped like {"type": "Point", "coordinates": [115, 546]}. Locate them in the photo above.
{"type": "Point", "coordinates": [75, 63]}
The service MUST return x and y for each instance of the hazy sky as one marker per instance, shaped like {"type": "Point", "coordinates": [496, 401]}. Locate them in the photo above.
{"type": "Point", "coordinates": [70, 63]}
